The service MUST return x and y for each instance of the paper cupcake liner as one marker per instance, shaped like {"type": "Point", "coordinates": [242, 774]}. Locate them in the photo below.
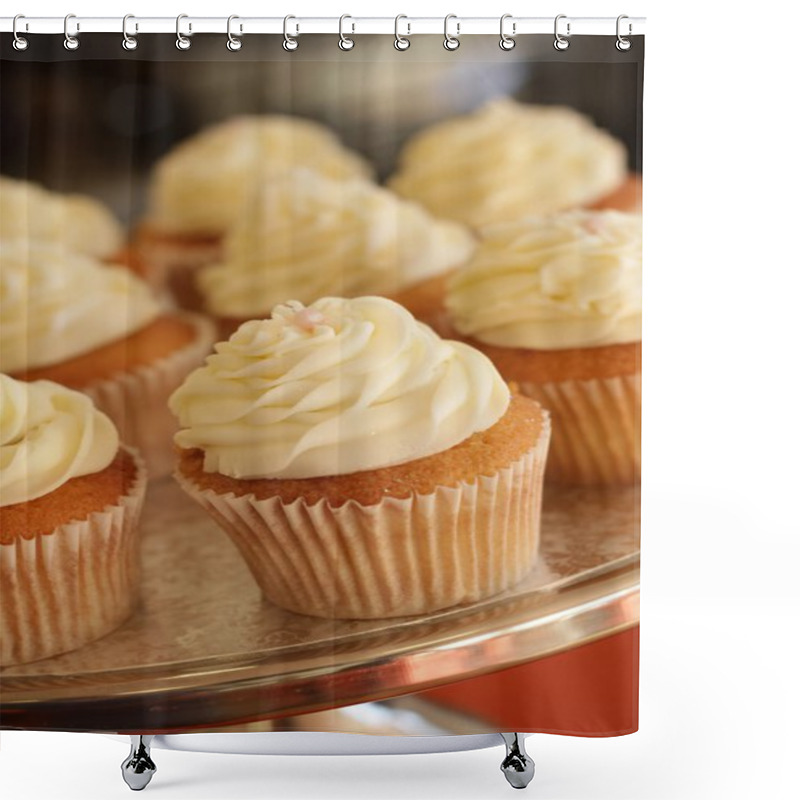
{"type": "Point", "coordinates": [393, 558]}
{"type": "Point", "coordinates": [73, 585]}
{"type": "Point", "coordinates": [136, 401]}
{"type": "Point", "coordinates": [596, 429]}
{"type": "Point", "coordinates": [173, 263]}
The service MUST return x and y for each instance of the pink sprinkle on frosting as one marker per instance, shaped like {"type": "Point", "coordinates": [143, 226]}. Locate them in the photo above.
{"type": "Point", "coordinates": [308, 318]}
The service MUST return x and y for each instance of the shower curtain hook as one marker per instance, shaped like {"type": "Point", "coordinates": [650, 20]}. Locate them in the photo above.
{"type": "Point", "coordinates": [290, 42]}
{"type": "Point", "coordinates": [507, 42]}
{"type": "Point", "coordinates": [345, 43]}
{"type": "Point", "coordinates": [20, 42]}
{"type": "Point", "coordinates": [234, 42]}
{"type": "Point", "coordinates": [401, 42]}
{"type": "Point", "coordinates": [129, 42]}
{"type": "Point", "coordinates": [71, 42]}
{"type": "Point", "coordinates": [623, 43]}
{"type": "Point", "coordinates": [561, 42]}
{"type": "Point", "coordinates": [451, 42]}
{"type": "Point", "coordinates": [182, 42]}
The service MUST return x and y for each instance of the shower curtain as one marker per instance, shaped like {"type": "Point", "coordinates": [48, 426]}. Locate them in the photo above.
{"type": "Point", "coordinates": [321, 382]}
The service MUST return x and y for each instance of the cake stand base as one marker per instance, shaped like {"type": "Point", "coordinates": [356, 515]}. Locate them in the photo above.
{"type": "Point", "coordinates": [139, 767]}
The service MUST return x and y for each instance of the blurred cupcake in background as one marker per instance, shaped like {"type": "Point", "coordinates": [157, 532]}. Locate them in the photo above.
{"type": "Point", "coordinates": [363, 466]}
{"type": "Point", "coordinates": [509, 160]}
{"type": "Point", "coordinates": [306, 236]}
{"type": "Point", "coordinates": [556, 304]}
{"type": "Point", "coordinates": [75, 222]}
{"type": "Point", "coordinates": [202, 187]}
{"type": "Point", "coordinates": [70, 498]}
{"type": "Point", "coordinates": [97, 328]}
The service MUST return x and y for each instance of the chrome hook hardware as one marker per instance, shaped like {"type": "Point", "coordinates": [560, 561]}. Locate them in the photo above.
{"type": "Point", "coordinates": [451, 42]}
{"type": "Point", "coordinates": [507, 42]}
{"type": "Point", "coordinates": [129, 42]}
{"type": "Point", "coordinates": [345, 43]}
{"type": "Point", "coordinates": [182, 42]}
{"type": "Point", "coordinates": [234, 43]}
{"type": "Point", "coordinates": [561, 42]}
{"type": "Point", "coordinates": [20, 42]}
{"type": "Point", "coordinates": [401, 42]}
{"type": "Point", "coordinates": [290, 43]}
{"type": "Point", "coordinates": [71, 42]}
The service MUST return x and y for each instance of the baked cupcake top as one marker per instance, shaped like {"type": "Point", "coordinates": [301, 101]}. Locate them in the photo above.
{"type": "Point", "coordinates": [307, 236]}
{"type": "Point", "coordinates": [56, 304]}
{"type": "Point", "coordinates": [48, 435]}
{"type": "Point", "coordinates": [553, 282]}
{"type": "Point", "coordinates": [509, 160]}
{"type": "Point", "coordinates": [74, 221]}
{"type": "Point", "coordinates": [337, 387]}
{"type": "Point", "coordinates": [202, 185]}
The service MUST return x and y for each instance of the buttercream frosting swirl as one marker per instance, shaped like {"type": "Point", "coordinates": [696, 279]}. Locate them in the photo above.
{"type": "Point", "coordinates": [337, 387]}
{"type": "Point", "coordinates": [508, 160]}
{"type": "Point", "coordinates": [553, 282]}
{"type": "Point", "coordinates": [74, 221]}
{"type": "Point", "coordinates": [55, 304]}
{"type": "Point", "coordinates": [204, 184]}
{"type": "Point", "coordinates": [48, 434]}
{"type": "Point", "coordinates": [308, 236]}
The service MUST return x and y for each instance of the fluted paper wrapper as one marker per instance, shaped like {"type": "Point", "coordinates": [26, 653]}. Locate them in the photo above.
{"type": "Point", "coordinates": [596, 429]}
{"type": "Point", "coordinates": [74, 585]}
{"type": "Point", "coordinates": [394, 558]}
{"type": "Point", "coordinates": [136, 401]}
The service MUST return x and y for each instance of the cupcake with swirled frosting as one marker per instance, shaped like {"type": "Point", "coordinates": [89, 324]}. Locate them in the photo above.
{"type": "Point", "coordinates": [204, 185]}
{"type": "Point", "coordinates": [556, 303]}
{"type": "Point", "coordinates": [98, 329]}
{"type": "Point", "coordinates": [70, 497]}
{"type": "Point", "coordinates": [363, 466]}
{"type": "Point", "coordinates": [306, 236]}
{"type": "Point", "coordinates": [76, 222]}
{"type": "Point", "coordinates": [509, 160]}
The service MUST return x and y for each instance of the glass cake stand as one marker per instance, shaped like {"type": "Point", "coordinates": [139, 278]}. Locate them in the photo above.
{"type": "Point", "coordinates": [205, 650]}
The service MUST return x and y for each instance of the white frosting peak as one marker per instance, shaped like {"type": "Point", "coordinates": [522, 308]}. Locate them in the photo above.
{"type": "Point", "coordinates": [545, 283]}
{"type": "Point", "coordinates": [307, 236]}
{"type": "Point", "coordinates": [48, 434]}
{"type": "Point", "coordinates": [75, 222]}
{"type": "Point", "coordinates": [204, 184]}
{"type": "Point", "coordinates": [509, 160]}
{"type": "Point", "coordinates": [55, 305]}
{"type": "Point", "coordinates": [339, 387]}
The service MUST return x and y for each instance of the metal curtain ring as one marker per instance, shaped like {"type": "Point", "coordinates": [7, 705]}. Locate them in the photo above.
{"type": "Point", "coordinates": [129, 42]}
{"type": "Point", "coordinates": [234, 42]}
{"type": "Point", "coordinates": [507, 42]}
{"type": "Point", "coordinates": [20, 42]}
{"type": "Point", "coordinates": [71, 42]}
{"type": "Point", "coordinates": [561, 42]}
{"type": "Point", "coordinates": [451, 42]}
{"type": "Point", "coordinates": [182, 42]}
{"type": "Point", "coordinates": [401, 42]}
{"type": "Point", "coordinates": [290, 42]}
{"type": "Point", "coordinates": [346, 43]}
{"type": "Point", "coordinates": [623, 43]}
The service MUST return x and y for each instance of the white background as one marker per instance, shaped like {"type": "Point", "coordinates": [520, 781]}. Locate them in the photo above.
{"type": "Point", "coordinates": [720, 684]}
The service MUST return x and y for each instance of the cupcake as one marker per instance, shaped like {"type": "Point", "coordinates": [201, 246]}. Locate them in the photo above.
{"type": "Point", "coordinates": [69, 319]}
{"type": "Point", "coordinates": [363, 466]}
{"type": "Point", "coordinates": [306, 236]}
{"type": "Point", "coordinates": [75, 222]}
{"type": "Point", "coordinates": [509, 160]}
{"type": "Point", "coordinates": [70, 498]}
{"type": "Point", "coordinates": [202, 187]}
{"type": "Point", "coordinates": [556, 303]}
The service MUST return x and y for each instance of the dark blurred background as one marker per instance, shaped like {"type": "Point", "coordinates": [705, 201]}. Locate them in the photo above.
{"type": "Point", "coordinates": [96, 119]}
